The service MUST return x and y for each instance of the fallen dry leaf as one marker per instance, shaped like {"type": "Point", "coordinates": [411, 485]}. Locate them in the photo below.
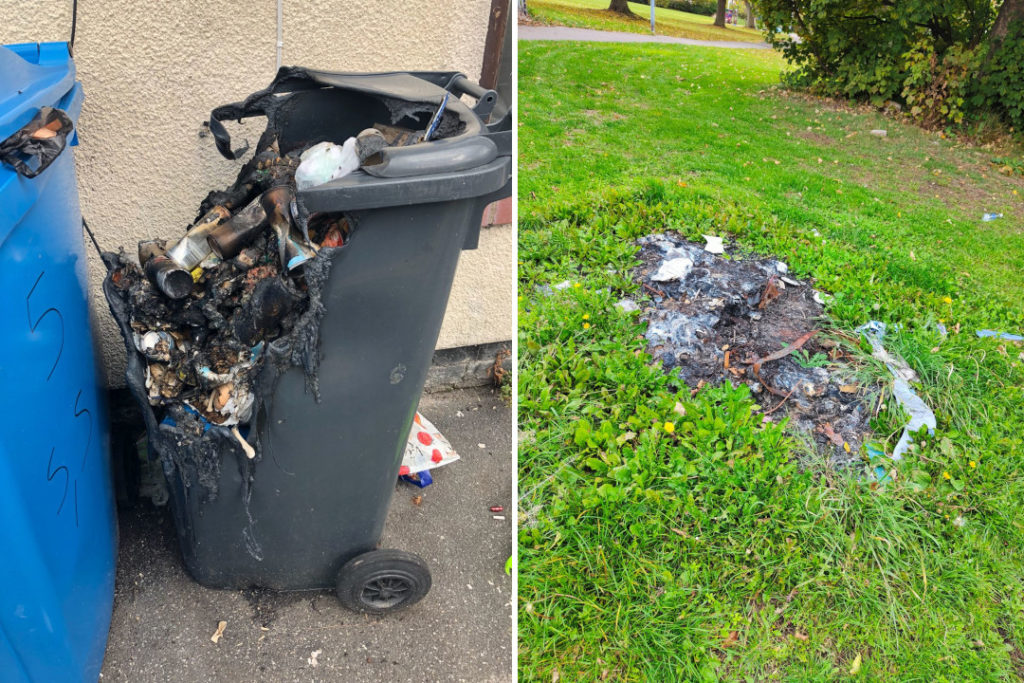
{"type": "Point", "coordinates": [221, 625]}
{"type": "Point", "coordinates": [848, 388]}
{"type": "Point", "coordinates": [855, 667]}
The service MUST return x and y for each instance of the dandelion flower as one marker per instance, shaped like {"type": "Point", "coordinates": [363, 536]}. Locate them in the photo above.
{"type": "Point", "coordinates": [586, 326]}
{"type": "Point", "coordinates": [586, 316]}
{"type": "Point", "coordinates": [947, 475]}
{"type": "Point", "coordinates": [947, 299]}
{"type": "Point", "coordinates": [972, 464]}
{"type": "Point", "coordinates": [670, 427]}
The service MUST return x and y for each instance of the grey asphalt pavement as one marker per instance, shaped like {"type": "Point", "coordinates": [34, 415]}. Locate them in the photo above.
{"type": "Point", "coordinates": [527, 32]}
{"type": "Point", "coordinates": [462, 630]}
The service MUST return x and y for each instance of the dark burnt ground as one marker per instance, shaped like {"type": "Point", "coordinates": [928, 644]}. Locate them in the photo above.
{"type": "Point", "coordinates": [725, 314]}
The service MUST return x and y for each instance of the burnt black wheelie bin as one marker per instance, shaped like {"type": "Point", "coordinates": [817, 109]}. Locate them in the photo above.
{"type": "Point", "coordinates": [307, 512]}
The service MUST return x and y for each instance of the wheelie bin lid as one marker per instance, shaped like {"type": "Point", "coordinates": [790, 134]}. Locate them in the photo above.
{"type": "Point", "coordinates": [474, 161]}
{"type": "Point", "coordinates": [30, 74]}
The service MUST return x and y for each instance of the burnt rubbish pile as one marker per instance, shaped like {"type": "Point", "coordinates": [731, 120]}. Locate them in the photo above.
{"type": "Point", "coordinates": [211, 319]}
{"type": "Point", "coordinates": [746, 320]}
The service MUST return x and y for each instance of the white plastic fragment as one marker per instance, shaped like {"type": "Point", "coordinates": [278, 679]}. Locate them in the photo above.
{"type": "Point", "coordinates": [920, 414]}
{"type": "Point", "coordinates": [250, 452]}
{"type": "Point", "coordinates": [155, 345]}
{"type": "Point", "coordinates": [880, 132]}
{"type": "Point", "coordinates": [325, 162]}
{"type": "Point", "coordinates": [675, 269]}
{"type": "Point", "coordinates": [821, 298]}
{"type": "Point", "coordinates": [714, 245]}
{"type": "Point", "coordinates": [627, 305]}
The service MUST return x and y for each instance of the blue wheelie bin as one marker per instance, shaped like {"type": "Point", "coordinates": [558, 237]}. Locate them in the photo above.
{"type": "Point", "coordinates": [57, 520]}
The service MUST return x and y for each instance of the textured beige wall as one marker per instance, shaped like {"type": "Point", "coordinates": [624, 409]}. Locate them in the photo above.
{"type": "Point", "coordinates": [153, 71]}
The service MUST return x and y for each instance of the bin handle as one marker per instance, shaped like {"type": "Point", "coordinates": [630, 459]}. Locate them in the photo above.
{"type": "Point", "coordinates": [485, 97]}
{"type": "Point", "coordinates": [29, 142]}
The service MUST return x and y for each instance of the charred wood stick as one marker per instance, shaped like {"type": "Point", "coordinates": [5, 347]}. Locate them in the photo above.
{"type": "Point", "coordinates": [778, 355]}
{"type": "Point", "coordinates": [779, 404]}
{"type": "Point", "coordinates": [652, 290]}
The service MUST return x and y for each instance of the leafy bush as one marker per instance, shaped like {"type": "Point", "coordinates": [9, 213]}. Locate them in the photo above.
{"type": "Point", "coordinates": [935, 89]}
{"type": "Point", "coordinates": [935, 57]}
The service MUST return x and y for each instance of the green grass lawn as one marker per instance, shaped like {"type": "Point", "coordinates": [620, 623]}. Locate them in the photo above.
{"type": "Point", "coordinates": [667, 22]}
{"type": "Point", "coordinates": [705, 552]}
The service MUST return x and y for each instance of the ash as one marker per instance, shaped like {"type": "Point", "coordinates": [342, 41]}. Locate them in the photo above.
{"type": "Point", "coordinates": [719, 319]}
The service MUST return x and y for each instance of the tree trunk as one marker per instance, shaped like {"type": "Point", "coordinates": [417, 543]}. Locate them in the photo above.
{"type": "Point", "coordinates": [621, 7]}
{"type": "Point", "coordinates": [719, 15]}
{"type": "Point", "coordinates": [751, 23]}
{"type": "Point", "coordinates": [1010, 12]}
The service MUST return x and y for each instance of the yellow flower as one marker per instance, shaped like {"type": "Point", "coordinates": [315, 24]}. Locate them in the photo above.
{"type": "Point", "coordinates": [577, 285]}
{"type": "Point", "coordinates": [947, 475]}
{"type": "Point", "coordinates": [586, 326]}
{"type": "Point", "coordinates": [947, 299]}
{"type": "Point", "coordinates": [520, 298]}
{"type": "Point", "coordinates": [972, 464]}
{"type": "Point", "coordinates": [670, 427]}
{"type": "Point", "coordinates": [586, 316]}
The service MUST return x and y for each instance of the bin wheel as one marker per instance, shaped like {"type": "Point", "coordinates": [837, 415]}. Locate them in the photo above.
{"type": "Point", "coordinates": [383, 581]}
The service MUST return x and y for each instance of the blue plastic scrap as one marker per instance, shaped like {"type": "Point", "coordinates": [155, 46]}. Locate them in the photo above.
{"type": "Point", "coordinates": [920, 414]}
{"type": "Point", "coordinates": [874, 455]}
{"type": "Point", "coordinates": [421, 479]}
{"type": "Point", "coordinates": [436, 120]}
{"type": "Point", "coordinates": [999, 335]}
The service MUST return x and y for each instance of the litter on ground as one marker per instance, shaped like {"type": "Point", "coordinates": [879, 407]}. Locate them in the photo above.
{"type": "Point", "coordinates": [747, 321]}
